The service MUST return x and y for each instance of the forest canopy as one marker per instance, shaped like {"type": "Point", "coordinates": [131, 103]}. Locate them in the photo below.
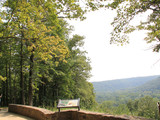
{"type": "Point", "coordinates": [39, 62]}
{"type": "Point", "coordinates": [127, 10]}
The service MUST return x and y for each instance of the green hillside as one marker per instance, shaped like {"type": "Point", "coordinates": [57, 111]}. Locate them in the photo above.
{"type": "Point", "coordinates": [125, 89]}
{"type": "Point", "coordinates": [152, 86]}
{"type": "Point", "coordinates": [120, 84]}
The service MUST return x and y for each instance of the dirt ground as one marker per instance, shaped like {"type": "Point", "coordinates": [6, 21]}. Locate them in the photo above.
{"type": "Point", "coordinates": [5, 115]}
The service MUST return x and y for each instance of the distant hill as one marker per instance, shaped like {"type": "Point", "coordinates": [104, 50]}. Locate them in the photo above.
{"type": "Point", "coordinates": [121, 84]}
{"type": "Point", "coordinates": [151, 86]}
{"type": "Point", "coordinates": [130, 88]}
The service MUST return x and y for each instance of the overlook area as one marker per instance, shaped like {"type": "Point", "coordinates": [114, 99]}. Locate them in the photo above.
{"type": "Point", "coordinates": [30, 113]}
{"type": "Point", "coordinates": [53, 50]}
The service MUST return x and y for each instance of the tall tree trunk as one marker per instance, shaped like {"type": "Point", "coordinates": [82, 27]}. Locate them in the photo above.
{"type": "Point", "coordinates": [14, 90]}
{"type": "Point", "coordinates": [22, 99]}
{"type": "Point", "coordinates": [6, 84]}
{"type": "Point", "coordinates": [26, 88]}
{"type": "Point", "coordinates": [9, 76]}
{"type": "Point", "coordinates": [10, 87]}
{"type": "Point", "coordinates": [3, 93]}
{"type": "Point", "coordinates": [40, 94]}
{"type": "Point", "coordinates": [30, 79]}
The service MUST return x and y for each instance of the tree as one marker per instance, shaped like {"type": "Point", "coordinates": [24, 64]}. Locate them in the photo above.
{"type": "Point", "coordinates": [127, 11]}
{"type": "Point", "coordinates": [74, 74]}
{"type": "Point", "coordinates": [33, 33]}
{"type": "Point", "coordinates": [25, 23]}
{"type": "Point", "coordinates": [147, 107]}
{"type": "Point", "coordinates": [107, 106]}
{"type": "Point", "coordinates": [132, 106]}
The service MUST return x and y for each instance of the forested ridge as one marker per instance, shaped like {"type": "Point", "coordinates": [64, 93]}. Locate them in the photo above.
{"type": "Point", "coordinates": [121, 84]}
{"type": "Point", "coordinates": [130, 90]}
{"type": "Point", "coordinates": [130, 98]}
{"type": "Point", "coordinates": [39, 62]}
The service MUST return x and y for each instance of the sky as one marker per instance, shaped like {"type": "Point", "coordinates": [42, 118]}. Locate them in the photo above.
{"type": "Point", "coordinates": [110, 61]}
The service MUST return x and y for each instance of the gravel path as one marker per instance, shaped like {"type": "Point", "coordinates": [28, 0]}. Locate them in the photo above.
{"type": "Point", "coordinates": [5, 115]}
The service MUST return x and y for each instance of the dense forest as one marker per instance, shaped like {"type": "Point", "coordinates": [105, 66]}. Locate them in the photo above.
{"type": "Point", "coordinates": [122, 84]}
{"type": "Point", "coordinates": [145, 107]}
{"type": "Point", "coordinates": [125, 96]}
{"type": "Point", "coordinates": [40, 63]}
{"type": "Point", "coordinates": [129, 88]}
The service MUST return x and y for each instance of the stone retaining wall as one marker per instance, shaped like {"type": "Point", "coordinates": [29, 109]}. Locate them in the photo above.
{"type": "Point", "coordinates": [30, 111]}
{"type": "Point", "coordinates": [43, 114]}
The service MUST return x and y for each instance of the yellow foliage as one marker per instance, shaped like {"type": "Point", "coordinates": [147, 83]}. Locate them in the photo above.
{"type": "Point", "coordinates": [2, 78]}
{"type": "Point", "coordinates": [28, 19]}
